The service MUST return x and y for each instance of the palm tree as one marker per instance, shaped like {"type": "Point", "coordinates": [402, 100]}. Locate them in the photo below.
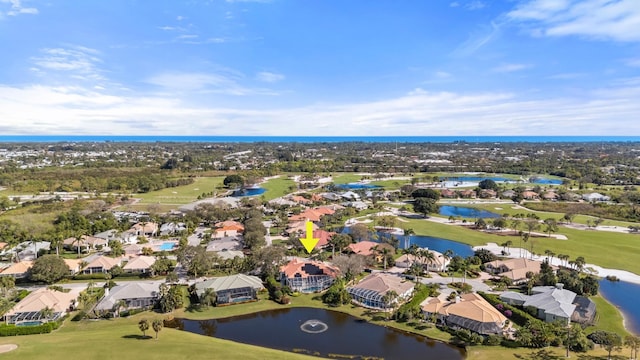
{"type": "Point", "coordinates": [157, 326]}
{"type": "Point", "coordinates": [580, 263]}
{"type": "Point", "coordinates": [427, 257]}
{"type": "Point", "coordinates": [208, 297]}
{"type": "Point", "coordinates": [384, 252]}
{"type": "Point", "coordinates": [464, 265]}
{"type": "Point", "coordinates": [447, 255]}
{"type": "Point", "coordinates": [143, 325]}
{"type": "Point", "coordinates": [46, 314]}
{"type": "Point", "coordinates": [525, 238]}
{"type": "Point", "coordinates": [633, 342]}
{"type": "Point", "coordinates": [120, 304]}
{"type": "Point", "coordinates": [390, 299]}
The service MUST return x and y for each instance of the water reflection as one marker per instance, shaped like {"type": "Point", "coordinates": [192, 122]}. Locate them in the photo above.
{"type": "Point", "coordinates": [345, 335]}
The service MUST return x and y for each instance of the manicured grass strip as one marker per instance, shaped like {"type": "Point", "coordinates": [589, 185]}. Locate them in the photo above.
{"type": "Point", "coordinates": [182, 194]}
{"type": "Point", "coordinates": [609, 318]}
{"type": "Point", "coordinates": [346, 178]}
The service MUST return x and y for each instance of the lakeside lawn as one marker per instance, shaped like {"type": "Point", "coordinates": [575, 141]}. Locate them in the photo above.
{"type": "Point", "coordinates": [277, 187]}
{"type": "Point", "coordinates": [508, 208]}
{"type": "Point", "coordinates": [603, 248]}
{"type": "Point", "coordinates": [121, 339]}
{"type": "Point", "coordinates": [181, 195]}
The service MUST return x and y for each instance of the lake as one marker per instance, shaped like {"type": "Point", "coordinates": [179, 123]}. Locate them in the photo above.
{"type": "Point", "coordinates": [356, 186]}
{"type": "Point", "coordinates": [433, 243]}
{"type": "Point", "coordinates": [471, 180]}
{"type": "Point", "coordinates": [624, 295]}
{"type": "Point", "coordinates": [466, 212]}
{"type": "Point", "coordinates": [329, 332]}
{"type": "Point", "coordinates": [249, 192]}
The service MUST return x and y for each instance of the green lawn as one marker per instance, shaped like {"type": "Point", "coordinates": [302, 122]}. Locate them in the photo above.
{"type": "Point", "coordinates": [121, 339]}
{"type": "Point", "coordinates": [607, 249]}
{"type": "Point", "coordinates": [508, 209]}
{"type": "Point", "coordinates": [346, 178]}
{"type": "Point", "coordinates": [277, 187]}
{"type": "Point", "coordinates": [608, 317]}
{"type": "Point", "coordinates": [181, 195]}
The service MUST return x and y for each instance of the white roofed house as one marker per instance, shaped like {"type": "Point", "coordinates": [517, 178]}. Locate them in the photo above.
{"type": "Point", "coordinates": [232, 289]}
{"type": "Point", "coordinates": [554, 303]}
{"type": "Point", "coordinates": [172, 228]}
{"type": "Point", "coordinates": [372, 291]}
{"type": "Point", "coordinates": [101, 264]}
{"type": "Point", "coordinates": [147, 228]}
{"type": "Point", "coordinates": [29, 309]}
{"type": "Point", "coordinates": [131, 295]}
{"type": "Point", "coordinates": [139, 265]}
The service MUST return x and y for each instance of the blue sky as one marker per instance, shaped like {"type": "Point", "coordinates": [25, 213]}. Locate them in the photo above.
{"type": "Point", "coordinates": [320, 67]}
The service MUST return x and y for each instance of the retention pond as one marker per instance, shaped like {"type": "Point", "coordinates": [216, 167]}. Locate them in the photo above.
{"type": "Point", "coordinates": [322, 333]}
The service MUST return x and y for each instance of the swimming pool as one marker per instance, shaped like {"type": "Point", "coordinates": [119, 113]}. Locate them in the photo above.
{"type": "Point", "coordinates": [167, 246]}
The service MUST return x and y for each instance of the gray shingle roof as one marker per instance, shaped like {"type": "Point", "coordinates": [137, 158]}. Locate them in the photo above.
{"type": "Point", "coordinates": [133, 290]}
{"type": "Point", "coordinates": [230, 282]}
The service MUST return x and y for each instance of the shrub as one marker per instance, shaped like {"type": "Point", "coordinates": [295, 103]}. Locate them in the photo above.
{"type": "Point", "coordinates": [493, 340]}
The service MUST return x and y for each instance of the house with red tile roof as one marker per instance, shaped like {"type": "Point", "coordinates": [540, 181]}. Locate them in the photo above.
{"type": "Point", "coordinates": [364, 248]}
{"type": "Point", "coordinates": [530, 195]}
{"type": "Point", "coordinates": [446, 193]}
{"type": "Point", "coordinates": [228, 229]}
{"type": "Point", "coordinates": [323, 237]}
{"type": "Point", "coordinates": [299, 227]}
{"type": "Point", "coordinates": [300, 200]}
{"type": "Point", "coordinates": [308, 276]}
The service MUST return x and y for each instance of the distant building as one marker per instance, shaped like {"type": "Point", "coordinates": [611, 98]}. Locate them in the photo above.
{"type": "Point", "coordinates": [515, 269]}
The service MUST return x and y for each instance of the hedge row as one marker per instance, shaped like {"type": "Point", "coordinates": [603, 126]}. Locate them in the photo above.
{"type": "Point", "coordinates": [518, 316]}
{"type": "Point", "coordinates": [13, 330]}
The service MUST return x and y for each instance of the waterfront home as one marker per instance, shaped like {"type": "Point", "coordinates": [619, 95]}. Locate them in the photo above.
{"type": "Point", "coordinates": [323, 237]}
{"type": "Point", "coordinates": [350, 195]}
{"type": "Point", "coordinates": [232, 289]}
{"type": "Point", "coordinates": [373, 291]}
{"type": "Point", "coordinates": [129, 295]}
{"type": "Point", "coordinates": [466, 311]}
{"type": "Point", "coordinates": [448, 194]}
{"type": "Point", "coordinates": [364, 248]}
{"type": "Point", "coordinates": [553, 303]}
{"type": "Point", "coordinates": [139, 265]}
{"type": "Point", "coordinates": [308, 276]}
{"type": "Point", "coordinates": [19, 270]}
{"type": "Point", "coordinates": [29, 309]}
{"type": "Point", "coordinates": [439, 262]}
{"type": "Point", "coordinates": [101, 264]}
{"type": "Point", "coordinates": [515, 269]}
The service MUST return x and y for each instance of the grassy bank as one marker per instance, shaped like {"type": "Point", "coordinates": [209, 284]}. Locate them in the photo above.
{"type": "Point", "coordinates": [181, 195]}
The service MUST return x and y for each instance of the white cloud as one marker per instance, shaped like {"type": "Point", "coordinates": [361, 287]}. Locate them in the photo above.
{"type": "Point", "coordinates": [223, 82]}
{"type": "Point", "coordinates": [511, 67]}
{"type": "Point", "coordinates": [478, 40]}
{"type": "Point", "coordinates": [617, 20]}
{"type": "Point", "coordinates": [76, 61]}
{"type": "Point", "coordinates": [633, 62]}
{"type": "Point", "coordinates": [442, 75]}
{"type": "Point", "coordinates": [80, 110]}
{"type": "Point", "coordinates": [475, 5]}
{"type": "Point", "coordinates": [566, 76]}
{"type": "Point", "coordinates": [454, 4]}
{"type": "Point", "coordinates": [269, 77]}
{"type": "Point", "coordinates": [16, 8]}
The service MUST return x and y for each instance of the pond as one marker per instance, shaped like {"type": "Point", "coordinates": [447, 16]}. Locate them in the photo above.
{"type": "Point", "coordinates": [466, 212]}
{"type": "Point", "coordinates": [474, 180]}
{"type": "Point", "coordinates": [433, 243]}
{"type": "Point", "coordinates": [356, 186]}
{"type": "Point", "coordinates": [624, 295]}
{"type": "Point", "coordinates": [249, 192]}
{"type": "Point", "coordinates": [322, 332]}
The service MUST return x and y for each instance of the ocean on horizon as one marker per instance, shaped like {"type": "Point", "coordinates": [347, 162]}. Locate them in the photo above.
{"type": "Point", "coordinates": [313, 139]}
